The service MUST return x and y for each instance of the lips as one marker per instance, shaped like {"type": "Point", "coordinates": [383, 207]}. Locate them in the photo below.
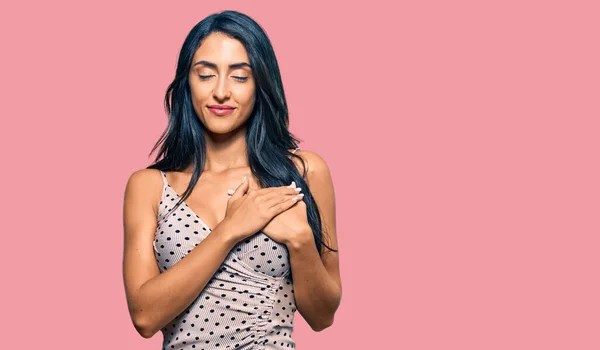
{"type": "Point", "coordinates": [221, 110]}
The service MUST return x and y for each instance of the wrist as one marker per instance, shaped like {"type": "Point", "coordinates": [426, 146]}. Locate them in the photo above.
{"type": "Point", "coordinates": [301, 240]}
{"type": "Point", "coordinates": [227, 233]}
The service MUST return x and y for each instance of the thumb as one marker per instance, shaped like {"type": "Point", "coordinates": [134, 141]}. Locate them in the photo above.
{"type": "Point", "coordinates": [241, 189]}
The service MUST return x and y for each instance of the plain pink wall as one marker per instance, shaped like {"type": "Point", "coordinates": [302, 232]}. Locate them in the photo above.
{"type": "Point", "coordinates": [462, 136]}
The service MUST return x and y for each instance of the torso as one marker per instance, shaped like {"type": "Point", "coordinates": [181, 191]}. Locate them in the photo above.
{"type": "Point", "coordinates": [248, 303]}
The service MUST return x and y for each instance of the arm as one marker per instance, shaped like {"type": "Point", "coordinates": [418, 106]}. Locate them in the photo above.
{"type": "Point", "coordinates": [317, 281]}
{"type": "Point", "coordinates": [154, 299]}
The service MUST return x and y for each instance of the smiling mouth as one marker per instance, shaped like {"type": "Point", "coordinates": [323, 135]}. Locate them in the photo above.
{"type": "Point", "coordinates": [220, 111]}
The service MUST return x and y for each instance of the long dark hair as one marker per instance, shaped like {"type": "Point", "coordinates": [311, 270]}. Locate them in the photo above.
{"type": "Point", "coordinates": [267, 134]}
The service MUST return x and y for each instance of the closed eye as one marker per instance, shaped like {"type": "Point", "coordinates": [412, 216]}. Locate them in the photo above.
{"type": "Point", "coordinates": [204, 77]}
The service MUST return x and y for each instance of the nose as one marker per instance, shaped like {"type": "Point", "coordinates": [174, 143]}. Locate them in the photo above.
{"type": "Point", "coordinates": [221, 91]}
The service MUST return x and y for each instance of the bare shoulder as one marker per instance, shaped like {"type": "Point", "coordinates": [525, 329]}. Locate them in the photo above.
{"type": "Point", "coordinates": [146, 184]}
{"type": "Point", "coordinates": [148, 178]}
{"type": "Point", "coordinates": [316, 167]}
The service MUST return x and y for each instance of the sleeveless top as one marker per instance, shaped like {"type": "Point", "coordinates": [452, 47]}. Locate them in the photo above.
{"type": "Point", "coordinates": [249, 301]}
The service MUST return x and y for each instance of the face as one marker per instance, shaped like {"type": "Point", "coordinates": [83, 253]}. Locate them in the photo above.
{"type": "Point", "coordinates": [220, 76]}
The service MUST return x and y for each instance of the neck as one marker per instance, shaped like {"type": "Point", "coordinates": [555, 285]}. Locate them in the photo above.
{"type": "Point", "coordinates": [226, 151]}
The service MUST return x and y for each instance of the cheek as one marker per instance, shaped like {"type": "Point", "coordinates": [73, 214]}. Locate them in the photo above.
{"type": "Point", "coordinates": [246, 97]}
{"type": "Point", "coordinates": [200, 93]}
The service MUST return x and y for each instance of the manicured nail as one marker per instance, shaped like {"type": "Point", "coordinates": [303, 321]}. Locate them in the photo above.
{"type": "Point", "coordinates": [292, 185]}
{"type": "Point", "coordinates": [298, 189]}
{"type": "Point", "coordinates": [230, 191]}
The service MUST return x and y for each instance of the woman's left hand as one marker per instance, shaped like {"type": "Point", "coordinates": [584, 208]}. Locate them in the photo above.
{"type": "Point", "coordinates": [290, 225]}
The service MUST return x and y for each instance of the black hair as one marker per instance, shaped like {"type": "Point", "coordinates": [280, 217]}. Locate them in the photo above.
{"type": "Point", "coordinates": [267, 135]}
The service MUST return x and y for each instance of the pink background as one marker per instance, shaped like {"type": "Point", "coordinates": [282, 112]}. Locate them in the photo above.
{"type": "Point", "coordinates": [463, 140]}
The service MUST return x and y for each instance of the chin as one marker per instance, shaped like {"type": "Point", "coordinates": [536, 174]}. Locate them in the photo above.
{"type": "Point", "coordinates": [221, 129]}
{"type": "Point", "coordinates": [220, 125]}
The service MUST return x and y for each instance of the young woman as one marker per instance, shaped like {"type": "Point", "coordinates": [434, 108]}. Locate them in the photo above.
{"type": "Point", "coordinates": [232, 208]}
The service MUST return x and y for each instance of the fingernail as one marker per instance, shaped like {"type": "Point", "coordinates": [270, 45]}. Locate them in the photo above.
{"type": "Point", "coordinates": [292, 185]}
{"type": "Point", "coordinates": [230, 191]}
{"type": "Point", "coordinates": [298, 189]}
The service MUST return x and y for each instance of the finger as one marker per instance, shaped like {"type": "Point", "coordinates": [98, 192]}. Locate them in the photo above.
{"type": "Point", "coordinates": [241, 189]}
{"type": "Point", "coordinates": [276, 200]}
{"type": "Point", "coordinates": [285, 205]}
{"type": "Point", "coordinates": [279, 192]}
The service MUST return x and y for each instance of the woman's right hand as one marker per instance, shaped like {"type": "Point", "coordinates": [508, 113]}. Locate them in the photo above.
{"type": "Point", "coordinates": [248, 211]}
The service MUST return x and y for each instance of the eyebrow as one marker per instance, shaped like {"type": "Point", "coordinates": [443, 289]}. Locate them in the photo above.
{"type": "Point", "coordinates": [231, 66]}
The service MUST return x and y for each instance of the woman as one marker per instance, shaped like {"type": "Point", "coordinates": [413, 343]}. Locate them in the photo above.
{"type": "Point", "coordinates": [214, 271]}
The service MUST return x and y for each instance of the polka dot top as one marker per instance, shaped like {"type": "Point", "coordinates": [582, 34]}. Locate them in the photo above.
{"type": "Point", "coordinates": [247, 304]}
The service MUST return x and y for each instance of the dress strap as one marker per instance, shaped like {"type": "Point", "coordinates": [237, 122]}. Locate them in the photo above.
{"type": "Point", "coordinates": [164, 178]}
{"type": "Point", "coordinates": [293, 152]}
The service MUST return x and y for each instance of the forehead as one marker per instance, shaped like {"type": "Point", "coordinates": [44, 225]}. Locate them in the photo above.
{"type": "Point", "coordinates": [221, 49]}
